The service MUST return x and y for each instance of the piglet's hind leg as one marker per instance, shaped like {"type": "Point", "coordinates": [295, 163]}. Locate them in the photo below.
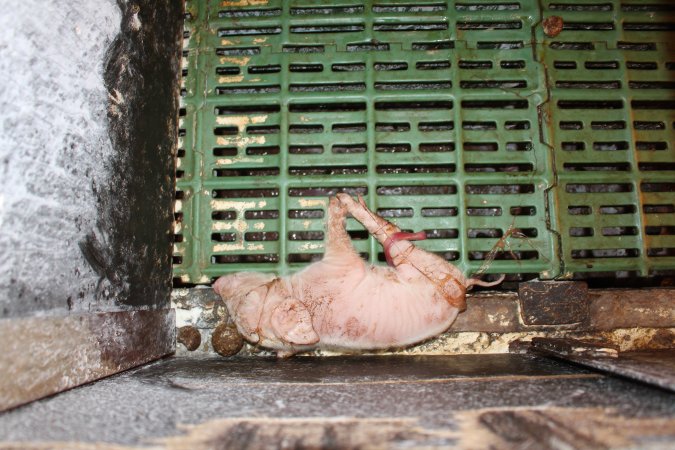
{"type": "Point", "coordinates": [376, 225]}
{"type": "Point", "coordinates": [338, 244]}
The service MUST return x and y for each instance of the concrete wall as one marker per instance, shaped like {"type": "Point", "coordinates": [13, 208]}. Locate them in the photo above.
{"type": "Point", "coordinates": [88, 106]}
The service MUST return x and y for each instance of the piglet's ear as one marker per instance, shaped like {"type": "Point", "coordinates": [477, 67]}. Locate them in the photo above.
{"type": "Point", "coordinates": [292, 323]}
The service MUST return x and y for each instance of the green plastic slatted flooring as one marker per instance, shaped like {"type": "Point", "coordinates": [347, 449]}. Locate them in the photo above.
{"type": "Point", "coordinates": [461, 119]}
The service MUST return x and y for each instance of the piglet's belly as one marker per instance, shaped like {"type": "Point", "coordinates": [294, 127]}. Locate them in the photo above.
{"type": "Point", "coordinates": [376, 315]}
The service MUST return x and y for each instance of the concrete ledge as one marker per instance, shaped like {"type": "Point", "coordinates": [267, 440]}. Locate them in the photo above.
{"type": "Point", "coordinates": [608, 309]}
{"type": "Point", "coordinates": [45, 355]}
{"type": "Point", "coordinates": [639, 318]}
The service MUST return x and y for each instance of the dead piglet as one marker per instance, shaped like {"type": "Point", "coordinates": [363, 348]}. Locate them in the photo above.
{"type": "Point", "coordinates": [341, 302]}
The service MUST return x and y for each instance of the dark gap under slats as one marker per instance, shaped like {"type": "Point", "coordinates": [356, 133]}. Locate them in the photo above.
{"type": "Point", "coordinates": [480, 146]}
{"type": "Point", "coordinates": [658, 209]}
{"type": "Point", "coordinates": [311, 149]}
{"type": "Point", "coordinates": [417, 168]}
{"type": "Point", "coordinates": [432, 65]}
{"type": "Point", "coordinates": [439, 212]}
{"type": "Point", "coordinates": [601, 65]}
{"type": "Point", "coordinates": [305, 214]}
{"type": "Point", "coordinates": [245, 259]}
{"type": "Point", "coordinates": [581, 231]}
{"type": "Point", "coordinates": [442, 233]}
{"type": "Point", "coordinates": [327, 191]}
{"type": "Point", "coordinates": [499, 45]}
{"type": "Point", "coordinates": [310, 68]}
{"type": "Point", "coordinates": [247, 109]}
{"type": "Point", "coordinates": [223, 215]}
{"type": "Point", "coordinates": [228, 70]}
{"type": "Point", "coordinates": [263, 129]}
{"type": "Point", "coordinates": [270, 68]}
{"type": "Point", "coordinates": [641, 65]}
{"type": "Point", "coordinates": [493, 84]}
{"type": "Point", "coordinates": [392, 126]}
{"type": "Point", "coordinates": [598, 166]}
{"type": "Point", "coordinates": [247, 172]}
{"type": "Point", "coordinates": [248, 31]}
{"type": "Point", "coordinates": [410, 8]}
{"type": "Point", "coordinates": [303, 48]}
{"type": "Point", "coordinates": [390, 66]}
{"type": "Point", "coordinates": [491, 211]}
{"type": "Point", "coordinates": [590, 104]}
{"type": "Point", "coordinates": [660, 230]}
{"type": "Point", "coordinates": [523, 210]}
{"type": "Point", "coordinates": [609, 125]}
{"type": "Point", "coordinates": [238, 13]}
{"type": "Point", "coordinates": [474, 125]}
{"type": "Point", "coordinates": [412, 85]}
{"type": "Point", "coordinates": [305, 128]}
{"type": "Point", "coordinates": [606, 253]}
{"type": "Point", "coordinates": [413, 105]}
{"type": "Point", "coordinates": [436, 147]}
{"type": "Point", "coordinates": [327, 87]}
{"type": "Point", "coordinates": [512, 64]}
{"type": "Point", "coordinates": [499, 168]}
{"type": "Point", "coordinates": [225, 151]}
{"type": "Point", "coordinates": [588, 26]}
{"type": "Point", "coordinates": [576, 210]}
{"type": "Point", "coordinates": [395, 212]}
{"type": "Point", "coordinates": [435, 45]}
{"type": "Point", "coordinates": [517, 125]}
{"type": "Point", "coordinates": [473, 64]}
{"type": "Point", "coordinates": [348, 127]}
{"type": "Point", "coordinates": [245, 193]}
{"type": "Point", "coordinates": [340, 149]}
{"type": "Point", "coordinates": [436, 126]}
{"type": "Point", "coordinates": [656, 166]}
{"type": "Point", "coordinates": [327, 28]}
{"type": "Point", "coordinates": [261, 214]}
{"type": "Point", "coordinates": [327, 170]}
{"type": "Point", "coordinates": [409, 26]}
{"type": "Point", "coordinates": [348, 67]}
{"type": "Point", "coordinates": [447, 189]}
{"type": "Point", "coordinates": [326, 10]}
{"type": "Point", "coordinates": [393, 148]}
{"type": "Point", "coordinates": [263, 150]}
{"type": "Point", "coordinates": [619, 231]}
{"type": "Point", "coordinates": [588, 84]}
{"type": "Point", "coordinates": [326, 107]}
{"type": "Point", "coordinates": [570, 125]}
{"type": "Point", "coordinates": [257, 236]}
{"type": "Point", "coordinates": [590, 188]}
{"type": "Point", "coordinates": [305, 235]}
{"type": "Point", "coordinates": [368, 47]}
{"type": "Point", "coordinates": [580, 7]}
{"type": "Point", "coordinates": [504, 6]}
{"type": "Point", "coordinates": [565, 65]}
{"type": "Point", "coordinates": [499, 189]}
{"type": "Point", "coordinates": [617, 209]}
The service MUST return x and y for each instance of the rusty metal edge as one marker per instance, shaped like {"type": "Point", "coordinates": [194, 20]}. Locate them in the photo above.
{"type": "Point", "coordinates": [41, 356]}
{"type": "Point", "coordinates": [622, 366]}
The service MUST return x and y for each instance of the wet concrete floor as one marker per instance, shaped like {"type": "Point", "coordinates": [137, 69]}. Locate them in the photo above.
{"type": "Point", "coordinates": [472, 401]}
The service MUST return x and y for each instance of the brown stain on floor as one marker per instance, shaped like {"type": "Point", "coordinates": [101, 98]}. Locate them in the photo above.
{"type": "Point", "coordinates": [498, 428]}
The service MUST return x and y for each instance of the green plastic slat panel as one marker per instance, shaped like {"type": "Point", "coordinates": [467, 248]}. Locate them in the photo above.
{"type": "Point", "coordinates": [445, 116]}
{"type": "Point", "coordinates": [611, 111]}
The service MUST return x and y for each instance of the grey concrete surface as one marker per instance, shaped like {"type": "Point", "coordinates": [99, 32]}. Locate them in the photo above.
{"type": "Point", "coordinates": [438, 393]}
